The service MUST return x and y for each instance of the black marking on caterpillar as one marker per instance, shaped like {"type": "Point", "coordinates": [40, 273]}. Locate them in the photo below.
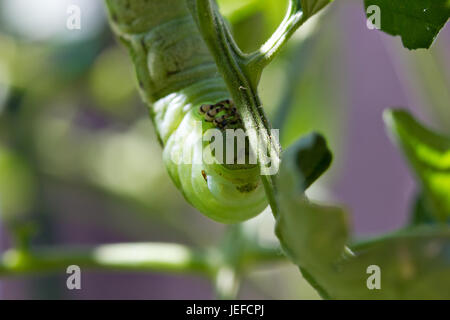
{"type": "Point", "coordinates": [204, 175]}
{"type": "Point", "coordinates": [222, 114]}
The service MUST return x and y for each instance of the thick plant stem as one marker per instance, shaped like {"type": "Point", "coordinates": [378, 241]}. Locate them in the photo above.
{"type": "Point", "coordinates": [242, 72]}
{"type": "Point", "coordinates": [242, 87]}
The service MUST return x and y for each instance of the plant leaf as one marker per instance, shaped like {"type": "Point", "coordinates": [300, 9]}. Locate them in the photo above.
{"type": "Point", "coordinates": [418, 22]}
{"type": "Point", "coordinates": [429, 156]}
{"type": "Point", "coordinates": [311, 236]}
{"type": "Point", "coordinates": [414, 263]}
{"type": "Point", "coordinates": [302, 164]}
{"type": "Point", "coordinates": [310, 157]}
{"type": "Point", "coordinates": [421, 212]}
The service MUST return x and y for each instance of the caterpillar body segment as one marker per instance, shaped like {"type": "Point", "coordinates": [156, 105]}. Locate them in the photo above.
{"type": "Point", "coordinates": [179, 80]}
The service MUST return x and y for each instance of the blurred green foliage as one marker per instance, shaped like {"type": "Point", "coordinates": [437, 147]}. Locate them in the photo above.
{"type": "Point", "coordinates": [17, 185]}
{"type": "Point", "coordinates": [429, 156]}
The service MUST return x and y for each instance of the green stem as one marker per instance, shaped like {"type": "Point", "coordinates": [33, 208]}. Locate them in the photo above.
{"type": "Point", "coordinates": [158, 257]}
{"type": "Point", "coordinates": [269, 50]}
{"type": "Point", "coordinates": [241, 83]}
{"type": "Point", "coordinates": [131, 257]}
{"type": "Point", "coordinates": [242, 73]}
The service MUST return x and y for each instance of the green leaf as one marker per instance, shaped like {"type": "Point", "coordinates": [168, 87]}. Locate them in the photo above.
{"type": "Point", "coordinates": [310, 157]}
{"type": "Point", "coordinates": [414, 263]}
{"type": "Point", "coordinates": [311, 236]}
{"type": "Point", "coordinates": [418, 22]}
{"type": "Point", "coordinates": [429, 156]}
{"type": "Point", "coordinates": [421, 212]}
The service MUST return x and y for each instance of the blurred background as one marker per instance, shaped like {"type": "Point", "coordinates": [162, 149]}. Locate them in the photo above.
{"type": "Point", "coordinates": [80, 164]}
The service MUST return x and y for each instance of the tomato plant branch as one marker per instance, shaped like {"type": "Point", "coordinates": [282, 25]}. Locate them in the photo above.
{"type": "Point", "coordinates": [242, 86]}
{"type": "Point", "coordinates": [242, 72]}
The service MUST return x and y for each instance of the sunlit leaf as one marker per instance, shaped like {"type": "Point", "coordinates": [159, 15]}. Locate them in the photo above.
{"type": "Point", "coordinates": [429, 156]}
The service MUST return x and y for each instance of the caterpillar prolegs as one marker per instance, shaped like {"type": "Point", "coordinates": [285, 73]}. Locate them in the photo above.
{"type": "Point", "coordinates": [178, 79]}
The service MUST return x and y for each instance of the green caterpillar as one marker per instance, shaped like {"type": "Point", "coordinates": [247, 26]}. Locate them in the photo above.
{"type": "Point", "coordinates": [179, 80]}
